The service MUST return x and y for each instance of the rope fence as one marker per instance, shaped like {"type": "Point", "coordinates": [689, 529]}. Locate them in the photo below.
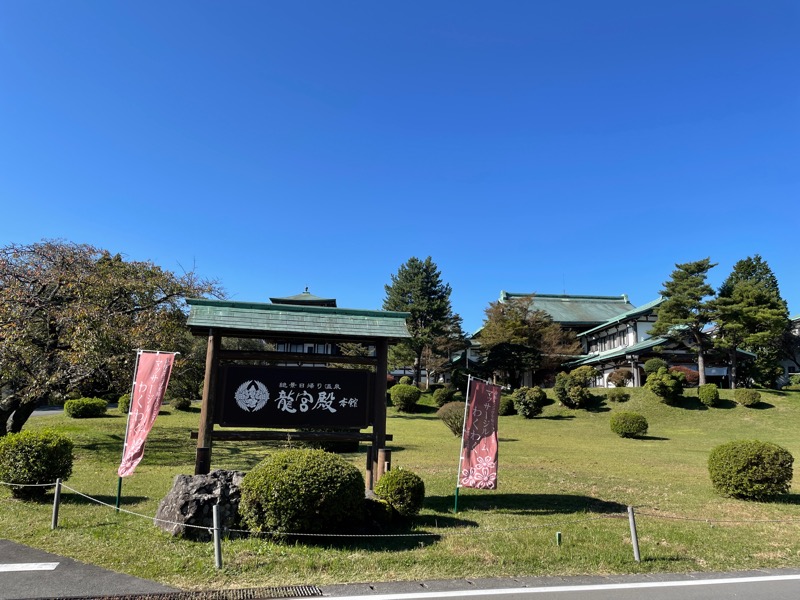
{"type": "Point", "coordinates": [217, 532]}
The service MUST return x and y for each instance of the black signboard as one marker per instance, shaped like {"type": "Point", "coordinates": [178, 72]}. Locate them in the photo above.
{"type": "Point", "coordinates": [283, 397]}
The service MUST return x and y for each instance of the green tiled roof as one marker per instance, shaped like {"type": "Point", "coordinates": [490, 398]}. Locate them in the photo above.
{"type": "Point", "coordinates": [635, 312]}
{"type": "Point", "coordinates": [598, 357]}
{"type": "Point", "coordinates": [576, 310]}
{"type": "Point", "coordinates": [325, 321]}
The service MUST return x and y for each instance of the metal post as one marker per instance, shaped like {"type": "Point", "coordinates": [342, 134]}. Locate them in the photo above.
{"type": "Point", "coordinates": [56, 503]}
{"type": "Point", "coordinates": [558, 538]}
{"type": "Point", "coordinates": [217, 542]}
{"type": "Point", "coordinates": [634, 537]}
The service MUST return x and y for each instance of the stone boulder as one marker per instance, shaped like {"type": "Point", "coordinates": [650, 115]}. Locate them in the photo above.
{"type": "Point", "coordinates": [186, 511]}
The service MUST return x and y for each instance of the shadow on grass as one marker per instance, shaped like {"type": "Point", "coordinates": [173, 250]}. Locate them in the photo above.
{"type": "Point", "coordinates": [68, 497]}
{"type": "Point", "coordinates": [558, 417]}
{"type": "Point", "coordinates": [597, 404]}
{"type": "Point", "coordinates": [653, 438]}
{"type": "Point", "coordinates": [527, 504]}
{"type": "Point", "coordinates": [725, 404]}
{"type": "Point", "coordinates": [762, 406]}
{"type": "Point", "coordinates": [786, 499]}
{"type": "Point", "coordinates": [689, 403]}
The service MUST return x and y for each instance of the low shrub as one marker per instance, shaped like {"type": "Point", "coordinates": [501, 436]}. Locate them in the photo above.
{"type": "Point", "coordinates": [628, 424]}
{"type": "Point", "coordinates": [506, 407]}
{"type": "Point", "coordinates": [405, 380]}
{"type": "Point", "coordinates": [32, 458]}
{"type": "Point", "coordinates": [180, 403]}
{"type": "Point", "coordinates": [529, 402]}
{"type": "Point", "coordinates": [404, 490]}
{"type": "Point", "coordinates": [442, 396]}
{"type": "Point", "coordinates": [750, 469]}
{"type": "Point", "coordinates": [653, 365]}
{"type": "Point", "coordinates": [459, 396]}
{"type": "Point", "coordinates": [620, 377]}
{"type": "Point", "coordinates": [124, 404]}
{"type": "Point", "coordinates": [708, 394]}
{"type": "Point", "coordinates": [452, 415]}
{"type": "Point", "coordinates": [794, 379]}
{"type": "Point", "coordinates": [691, 377]}
{"type": "Point", "coordinates": [302, 491]}
{"type": "Point", "coordinates": [85, 408]}
{"type": "Point", "coordinates": [666, 385]}
{"type": "Point", "coordinates": [572, 389]}
{"type": "Point", "coordinates": [746, 396]}
{"type": "Point", "coordinates": [405, 397]}
{"type": "Point", "coordinates": [618, 394]}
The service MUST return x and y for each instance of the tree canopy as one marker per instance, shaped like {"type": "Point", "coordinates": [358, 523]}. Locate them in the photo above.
{"type": "Point", "coordinates": [686, 310]}
{"type": "Point", "coordinates": [751, 314]}
{"type": "Point", "coordinates": [417, 288]}
{"type": "Point", "coordinates": [516, 339]}
{"type": "Point", "coordinates": [72, 317]}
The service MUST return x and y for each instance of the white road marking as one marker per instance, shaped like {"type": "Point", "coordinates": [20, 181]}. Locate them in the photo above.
{"type": "Point", "coordinates": [13, 567]}
{"type": "Point", "coordinates": [575, 588]}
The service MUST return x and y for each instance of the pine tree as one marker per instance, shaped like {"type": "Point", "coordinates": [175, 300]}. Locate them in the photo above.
{"type": "Point", "coordinates": [751, 314]}
{"type": "Point", "coordinates": [686, 312]}
{"type": "Point", "coordinates": [418, 288]}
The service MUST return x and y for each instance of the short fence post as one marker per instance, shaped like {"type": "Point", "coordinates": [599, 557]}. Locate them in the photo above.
{"type": "Point", "coordinates": [634, 537]}
{"type": "Point", "coordinates": [217, 542]}
{"type": "Point", "coordinates": [56, 503]}
{"type": "Point", "coordinates": [369, 481]}
{"type": "Point", "coordinates": [387, 460]}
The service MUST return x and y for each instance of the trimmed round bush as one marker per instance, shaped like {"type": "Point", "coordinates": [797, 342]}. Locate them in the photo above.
{"type": "Point", "coordinates": [620, 377]}
{"type": "Point", "coordinates": [746, 396]}
{"type": "Point", "coordinates": [750, 469]}
{"type": "Point", "coordinates": [442, 396]}
{"type": "Point", "coordinates": [506, 407]}
{"type": "Point", "coordinates": [618, 394]}
{"type": "Point", "coordinates": [628, 424]}
{"type": "Point", "coordinates": [452, 415]}
{"type": "Point", "coordinates": [302, 491]}
{"type": "Point", "coordinates": [85, 408]}
{"type": "Point", "coordinates": [654, 364]}
{"type": "Point", "coordinates": [404, 490]}
{"type": "Point", "coordinates": [666, 385]}
{"type": "Point", "coordinates": [405, 380]}
{"type": "Point", "coordinates": [690, 377]}
{"type": "Point", "coordinates": [180, 403]}
{"type": "Point", "coordinates": [32, 458]}
{"type": "Point", "coordinates": [124, 404]}
{"type": "Point", "coordinates": [405, 397]}
{"type": "Point", "coordinates": [529, 402]}
{"type": "Point", "coordinates": [708, 394]}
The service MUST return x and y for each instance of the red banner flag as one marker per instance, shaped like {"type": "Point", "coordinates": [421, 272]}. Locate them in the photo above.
{"type": "Point", "coordinates": [149, 384]}
{"type": "Point", "coordinates": [478, 468]}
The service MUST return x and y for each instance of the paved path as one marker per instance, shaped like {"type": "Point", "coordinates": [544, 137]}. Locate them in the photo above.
{"type": "Point", "coordinates": [49, 576]}
{"type": "Point", "coordinates": [26, 573]}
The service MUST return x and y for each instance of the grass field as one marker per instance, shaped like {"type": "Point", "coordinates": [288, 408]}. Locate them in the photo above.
{"type": "Point", "coordinates": [562, 471]}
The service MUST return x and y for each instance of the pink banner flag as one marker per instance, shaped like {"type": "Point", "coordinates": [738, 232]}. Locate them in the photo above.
{"type": "Point", "coordinates": [149, 384]}
{"type": "Point", "coordinates": [479, 444]}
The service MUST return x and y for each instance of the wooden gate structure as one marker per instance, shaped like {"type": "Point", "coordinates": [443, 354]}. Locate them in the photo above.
{"type": "Point", "coordinates": [292, 384]}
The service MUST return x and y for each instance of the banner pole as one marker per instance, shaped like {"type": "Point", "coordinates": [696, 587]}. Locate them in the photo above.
{"type": "Point", "coordinates": [461, 452]}
{"type": "Point", "coordinates": [127, 424]}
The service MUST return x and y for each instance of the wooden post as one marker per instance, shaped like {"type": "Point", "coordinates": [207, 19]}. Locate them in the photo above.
{"type": "Point", "coordinates": [368, 481]}
{"type": "Point", "coordinates": [202, 464]}
{"type": "Point", "coordinates": [379, 424]}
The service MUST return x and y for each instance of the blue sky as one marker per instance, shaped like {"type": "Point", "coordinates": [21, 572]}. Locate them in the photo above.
{"type": "Point", "coordinates": [555, 146]}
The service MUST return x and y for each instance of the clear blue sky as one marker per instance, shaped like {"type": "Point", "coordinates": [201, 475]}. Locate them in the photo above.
{"type": "Point", "coordinates": [550, 146]}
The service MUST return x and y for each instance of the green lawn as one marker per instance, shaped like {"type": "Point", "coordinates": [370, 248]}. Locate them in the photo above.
{"type": "Point", "coordinates": [562, 471]}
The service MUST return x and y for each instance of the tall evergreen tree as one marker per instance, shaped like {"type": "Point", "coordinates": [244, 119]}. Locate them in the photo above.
{"type": "Point", "coordinates": [417, 287]}
{"type": "Point", "coordinates": [751, 314]}
{"type": "Point", "coordinates": [686, 311]}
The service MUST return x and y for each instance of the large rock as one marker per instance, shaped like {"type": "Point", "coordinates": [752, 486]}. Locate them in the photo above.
{"type": "Point", "coordinates": [187, 510]}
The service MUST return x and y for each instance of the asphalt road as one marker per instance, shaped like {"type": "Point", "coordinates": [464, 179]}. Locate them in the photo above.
{"type": "Point", "coordinates": [26, 573]}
